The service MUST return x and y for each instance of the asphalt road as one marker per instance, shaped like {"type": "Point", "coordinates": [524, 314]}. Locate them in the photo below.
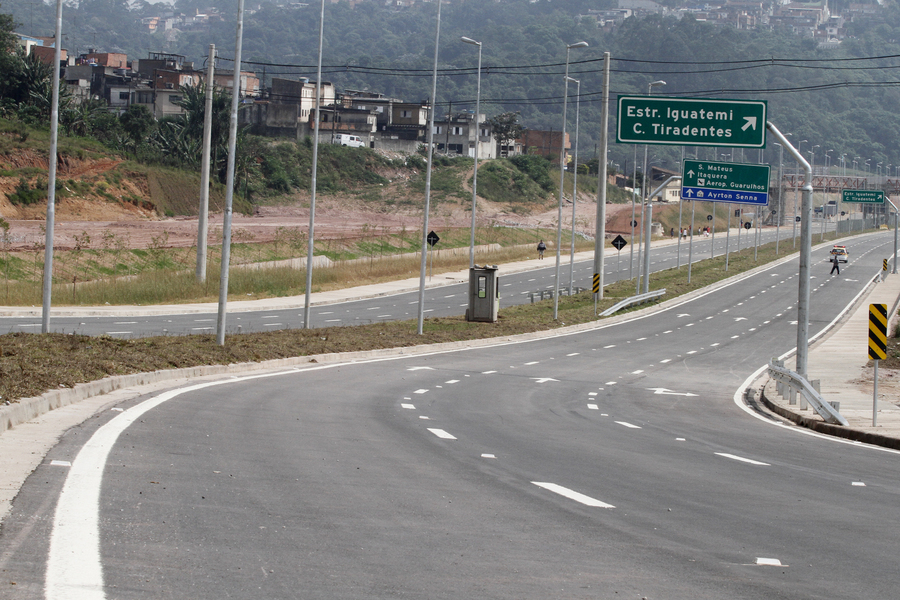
{"type": "Point", "coordinates": [444, 301]}
{"type": "Point", "coordinates": [613, 463]}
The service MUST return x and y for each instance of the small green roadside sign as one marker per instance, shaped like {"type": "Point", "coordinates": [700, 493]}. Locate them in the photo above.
{"type": "Point", "coordinates": [712, 181]}
{"type": "Point", "coordinates": [863, 196]}
{"type": "Point", "coordinates": [691, 122]}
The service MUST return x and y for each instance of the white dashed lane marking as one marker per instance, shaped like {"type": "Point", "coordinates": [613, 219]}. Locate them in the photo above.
{"type": "Point", "coordinates": [441, 434]}
{"type": "Point", "coordinates": [742, 459]}
{"type": "Point", "coordinates": [572, 495]}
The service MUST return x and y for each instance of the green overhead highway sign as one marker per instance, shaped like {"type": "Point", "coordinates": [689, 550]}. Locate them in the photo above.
{"type": "Point", "coordinates": [691, 122]}
{"type": "Point", "coordinates": [863, 196]}
{"type": "Point", "coordinates": [725, 182]}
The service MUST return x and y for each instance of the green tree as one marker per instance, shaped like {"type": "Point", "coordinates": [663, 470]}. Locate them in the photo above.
{"type": "Point", "coordinates": [137, 123]}
{"type": "Point", "coordinates": [506, 127]}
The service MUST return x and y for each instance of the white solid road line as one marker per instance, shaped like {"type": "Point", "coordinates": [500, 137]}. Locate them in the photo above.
{"type": "Point", "coordinates": [572, 494]}
{"type": "Point", "coordinates": [74, 569]}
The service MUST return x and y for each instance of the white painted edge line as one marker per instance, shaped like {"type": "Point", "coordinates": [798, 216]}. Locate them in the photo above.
{"type": "Point", "coordinates": [572, 494]}
{"type": "Point", "coordinates": [629, 425]}
{"type": "Point", "coordinates": [441, 434]}
{"type": "Point", "coordinates": [742, 459]}
{"type": "Point", "coordinates": [74, 570]}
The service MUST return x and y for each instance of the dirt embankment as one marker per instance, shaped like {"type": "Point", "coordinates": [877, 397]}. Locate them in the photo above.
{"type": "Point", "coordinates": [98, 199]}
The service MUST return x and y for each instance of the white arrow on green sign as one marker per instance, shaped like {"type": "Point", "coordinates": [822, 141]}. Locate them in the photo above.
{"type": "Point", "coordinates": [713, 181]}
{"type": "Point", "coordinates": [863, 196]}
{"type": "Point", "coordinates": [691, 122]}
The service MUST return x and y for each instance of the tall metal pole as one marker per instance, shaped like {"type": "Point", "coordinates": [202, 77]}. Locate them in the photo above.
{"type": "Point", "coordinates": [51, 176]}
{"type": "Point", "coordinates": [574, 189]}
{"type": "Point", "coordinates": [229, 177]}
{"type": "Point", "coordinates": [633, 189]}
{"type": "Point", "coordinates": [650, 218]}
{"type": "Point", "coordinates": [728, 236]}
{"type": "Point", "coordinates": [796, 193]}
{"type": "Point", "coordinates": [311, 234]}
{"type": "Point", "coordinates": [805, 252]}
{"type": "Point", "coordinates": [647, 213]}
{"type": "Point", "coordinates": [477, 135]}
{"type": "Point", "coordinates": [896, 224]}
{"type": "Point", "coordinates": [562, 178]}
{"type": "Point", "coordinates": [691, 244]}
{"type": "Point", "coordinates": [780, 213]}
{"type": "Point", "coordinates": [600, 237]}
{"type": "Point", "coordinates": [430, 138]}
{"type": "Point", "coordinates": [680, 211]}
{"type": "Point", "coordinates": [203, 218]}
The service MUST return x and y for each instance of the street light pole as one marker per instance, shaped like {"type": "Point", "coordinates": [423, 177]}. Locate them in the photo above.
{"type": "Point", "coordinates": [477, 135]}
{"type": "Point", "coordinates": [797, 192]}
{"type": "Point", "coordinates": [646, 213]}
{"type": "Point", "coordinates": [778, 216]}
{"type": "Point", "coordinates": [423, 265]}
{"type": "Point", "coordinates": [562, 179]}
{"type": "Point", "coordinates": [311, 238]}
{"type": "Point", "coordinates": [574, 187]}
{"type": "Point", "coordinates": [600, 221]}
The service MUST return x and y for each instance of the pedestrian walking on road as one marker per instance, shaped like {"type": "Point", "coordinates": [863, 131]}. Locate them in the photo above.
{"type": "Point", "coordinates": [836, 265]}
{"type": "Point", "coordinates": [541, 247]}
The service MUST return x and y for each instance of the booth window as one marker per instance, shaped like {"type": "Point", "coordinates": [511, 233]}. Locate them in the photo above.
{"type": "Point", "coordinates": [482, 286]}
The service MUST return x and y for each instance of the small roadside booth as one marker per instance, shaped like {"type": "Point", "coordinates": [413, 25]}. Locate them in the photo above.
{"type": "Point", "coordinates": [484, 294]}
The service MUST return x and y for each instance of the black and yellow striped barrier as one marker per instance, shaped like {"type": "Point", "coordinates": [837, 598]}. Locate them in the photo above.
{"type": "Point", "coordinates": [877, 331]}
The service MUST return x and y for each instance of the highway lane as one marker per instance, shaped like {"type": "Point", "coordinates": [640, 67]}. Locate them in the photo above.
{"type": "Point", "coordinates": [450, 300]}
{"type": "Point", "coordinates": [466, 474]}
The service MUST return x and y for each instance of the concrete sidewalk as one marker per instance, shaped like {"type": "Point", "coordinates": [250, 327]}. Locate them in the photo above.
{"type": "Point", "coordinates": [840, 362]}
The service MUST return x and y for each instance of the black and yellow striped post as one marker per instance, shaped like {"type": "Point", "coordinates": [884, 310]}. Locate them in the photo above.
{"type": "Point", "coordinates": [877, 331]}
{"type": "Point", "coordinates": [884, 269]}
{"type": "Point", "coordinates": [596, 287]}
{"type": "Point", "coordinates": [877, 348]}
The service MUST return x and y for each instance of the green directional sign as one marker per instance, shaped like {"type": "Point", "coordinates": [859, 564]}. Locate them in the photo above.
{"type": "Point", "coordinates": [691, 122]}
{"type": "Point", "coordinates": [863, 196]}
{"type": "Point", "coordinates": [725, 182]}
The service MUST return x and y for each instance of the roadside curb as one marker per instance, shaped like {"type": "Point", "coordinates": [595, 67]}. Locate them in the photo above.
{"type": "Point", "coordinates": [855, 435]}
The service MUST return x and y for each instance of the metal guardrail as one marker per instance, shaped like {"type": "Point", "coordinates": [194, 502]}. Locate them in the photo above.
{"type": "Point", "coordinates": [548, 294]}
{"type": "Point", "coordinates": [633, 301]}
{"type": "Point", "coordinates": [779, 373]}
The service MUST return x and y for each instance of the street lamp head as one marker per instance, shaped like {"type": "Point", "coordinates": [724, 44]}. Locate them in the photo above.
{"type": "Point", "coordinates": [577, 45]}
{"type": "Point", "coordinates": [468, 40]}
{"type": "Point", "coordinates": [573, 80]}
{"type": "Point", "coordinates": [657, 83]}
